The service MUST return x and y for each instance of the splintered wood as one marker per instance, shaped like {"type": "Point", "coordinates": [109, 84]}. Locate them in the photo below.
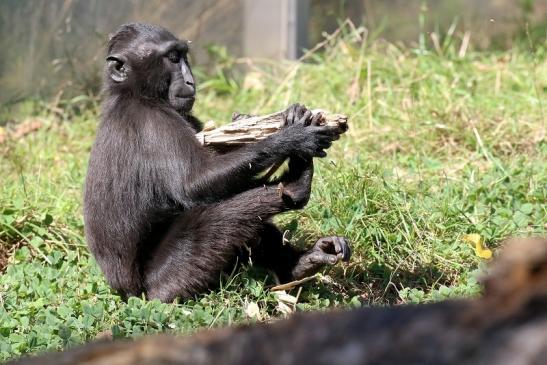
{"type": "Point", "coordinates": [255, 128]}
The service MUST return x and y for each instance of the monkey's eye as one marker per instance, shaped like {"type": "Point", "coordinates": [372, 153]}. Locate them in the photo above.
{"type": "Point", "coordinates": [174, 56]}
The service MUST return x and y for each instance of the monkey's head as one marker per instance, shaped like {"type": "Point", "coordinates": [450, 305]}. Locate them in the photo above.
{"type": "Point", "coordinates": [148, 61]}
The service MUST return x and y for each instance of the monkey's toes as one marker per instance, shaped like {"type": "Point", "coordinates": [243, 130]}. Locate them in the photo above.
{"type": "Point", "coordinates": [335, 245]}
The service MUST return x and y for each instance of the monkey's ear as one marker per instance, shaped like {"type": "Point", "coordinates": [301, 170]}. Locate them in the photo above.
{"type": "Point", "coordinates": [116, 68]}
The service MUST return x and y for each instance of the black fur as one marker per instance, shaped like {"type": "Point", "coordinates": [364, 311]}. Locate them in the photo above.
{"type": "Point", "coordinates": [165, 216]}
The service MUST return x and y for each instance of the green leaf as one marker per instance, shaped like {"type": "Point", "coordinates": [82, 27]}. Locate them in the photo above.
{"type": "Point", "coordinates": [116, 332]}
{"type": "Point", "coordinates": [527, 208]}
{"type": "Point", "coordinates": [520, 219]}
{"type": "Point", "coordinates": [64, 332]}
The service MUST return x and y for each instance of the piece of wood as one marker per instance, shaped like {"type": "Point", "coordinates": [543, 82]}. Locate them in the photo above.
{"type": "Point", "coordinates": [506, 326]}
{"type": "Point", "coordinates": [292, 284]}
{"type": "Point", "coordinates": [255, 128]}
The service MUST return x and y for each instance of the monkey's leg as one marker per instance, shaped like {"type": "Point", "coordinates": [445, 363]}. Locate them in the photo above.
{"type": "Point", "coordinates": [203, 241]}
{"type": "Point", "coordinates": [290, 263]}
{"type": "Point", "coordinates": [286, 261]}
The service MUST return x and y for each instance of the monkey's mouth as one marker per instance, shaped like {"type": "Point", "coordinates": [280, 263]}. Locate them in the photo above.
{"type": "Point", "coordinates": [182, 103]}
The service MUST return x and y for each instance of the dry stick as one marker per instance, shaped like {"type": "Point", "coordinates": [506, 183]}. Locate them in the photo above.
{"type": "Point", "coordinates": [292, 284]}
{"type": "Point", "coordinates": [369, 91]}
{"type": "Point", "coordinates": [256, 128]}
{"type": "Point", "coordinates": [464, 45]}
{"type": "Point", "coordinates": [328, 38]}
{"type": "Point", "coordinates": [436, 43]}
{"type": "Point", "coordinates": [355, 88]}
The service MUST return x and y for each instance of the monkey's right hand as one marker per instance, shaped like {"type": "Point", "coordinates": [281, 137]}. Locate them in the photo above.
{"type": "Point", "coordinates": [299, 114]}
{"type": "Point", "coordinates": [305, 136]}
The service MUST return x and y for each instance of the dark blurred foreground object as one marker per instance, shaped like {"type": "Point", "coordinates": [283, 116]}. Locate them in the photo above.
{"type": "Point", "coordinates": [508, 325]}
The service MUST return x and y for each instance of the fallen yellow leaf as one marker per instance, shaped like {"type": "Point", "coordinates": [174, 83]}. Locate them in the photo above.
{"type": "Point", "coordinates": [480, 249]}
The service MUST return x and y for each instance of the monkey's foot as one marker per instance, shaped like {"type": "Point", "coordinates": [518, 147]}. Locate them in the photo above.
{"type": "Point", "coordinates": [326, 251]}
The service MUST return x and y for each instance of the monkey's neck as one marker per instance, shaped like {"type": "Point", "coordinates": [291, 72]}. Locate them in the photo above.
{"type": "Point", "coordinates": [196, 124]}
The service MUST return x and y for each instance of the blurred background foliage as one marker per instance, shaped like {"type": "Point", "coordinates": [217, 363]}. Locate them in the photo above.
{"type": "Point", "coordinates": [54, 48]}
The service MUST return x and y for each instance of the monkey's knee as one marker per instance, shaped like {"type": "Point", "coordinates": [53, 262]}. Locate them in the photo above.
{"type": "Point", "coordinates": [125, 290]}
{"type": "Point", "coordinates": [122, 279]}
{"type": "Point", "coordinates": [294, 197]}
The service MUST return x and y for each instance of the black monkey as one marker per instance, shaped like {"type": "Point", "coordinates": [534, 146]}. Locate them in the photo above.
{"type": "Point", "coordinates": [165, 216]}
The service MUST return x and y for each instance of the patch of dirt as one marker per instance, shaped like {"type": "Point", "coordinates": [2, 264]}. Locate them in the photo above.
{"type": "Point", "coordinates": [4, 255]}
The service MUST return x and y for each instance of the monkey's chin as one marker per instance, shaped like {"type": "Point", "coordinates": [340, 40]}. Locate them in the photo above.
{"type": "Point", "coordinates": [182, 105]}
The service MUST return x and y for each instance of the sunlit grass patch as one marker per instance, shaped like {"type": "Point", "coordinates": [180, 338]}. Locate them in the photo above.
{"type": "Point", "coordinates": [440, 146]}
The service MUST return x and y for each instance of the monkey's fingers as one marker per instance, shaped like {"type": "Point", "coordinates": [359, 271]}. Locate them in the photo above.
{"type": "Point", "coordinates": [338, 245]}
{"type": "Point", "coordinates": [306, 118]}
{"type": "Point", "coordinates": [324, 243]}
{"type": "Point", "coordinates": [323, 258]}
{"type": "Point", "coordinates": [317, 119]}
{"type": "Point", "coordinates": [325, 144]}
{"type": "Point", "coordinates": [342, 248]}
{"type": "Point", "coordinates": [290, 116]}
{"type": "Point", "coordinates": [334, 130]}
{"type": "Point", "coordinates": [320, 154]}
{"type": "Point", "coordinates": [300, 111]}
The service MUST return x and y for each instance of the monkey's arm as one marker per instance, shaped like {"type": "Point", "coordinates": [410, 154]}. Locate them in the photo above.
{"type": "Point", "coordinates": [234, 172]}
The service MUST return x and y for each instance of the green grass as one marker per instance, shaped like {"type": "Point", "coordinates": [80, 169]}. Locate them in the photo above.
{"type": "Point", "coordinates": [439, 146]}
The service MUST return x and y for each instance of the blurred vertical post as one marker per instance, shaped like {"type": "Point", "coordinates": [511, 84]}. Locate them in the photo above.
{"type": "Point", "coordinates": [275, 29]}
